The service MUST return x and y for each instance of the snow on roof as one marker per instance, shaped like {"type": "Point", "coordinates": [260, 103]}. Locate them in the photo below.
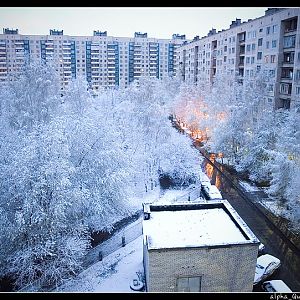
{"type": "Point", "coordinates": [187, 225]}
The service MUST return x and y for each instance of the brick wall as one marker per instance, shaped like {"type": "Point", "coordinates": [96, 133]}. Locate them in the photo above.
{"type": "Point", "coordinates": [226, 269]}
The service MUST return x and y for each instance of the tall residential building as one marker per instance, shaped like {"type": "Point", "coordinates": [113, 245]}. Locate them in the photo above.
{"type": "Point", "coordinates": [104, 61]}
{"type": "Point", "coordinates": [270, 44]}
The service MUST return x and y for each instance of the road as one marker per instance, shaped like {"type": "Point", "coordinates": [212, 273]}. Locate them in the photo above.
{"type": "Point", "coordinates": [275, 242]}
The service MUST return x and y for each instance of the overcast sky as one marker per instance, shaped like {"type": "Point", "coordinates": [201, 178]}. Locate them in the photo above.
{"type": "Point", "coordinates": [158, 22]}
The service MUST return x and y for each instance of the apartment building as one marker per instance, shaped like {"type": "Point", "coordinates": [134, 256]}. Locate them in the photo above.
{"type": "Point", "coordinates": [104, 61]}
{"type": "Point", "coordinates": [268, 44]}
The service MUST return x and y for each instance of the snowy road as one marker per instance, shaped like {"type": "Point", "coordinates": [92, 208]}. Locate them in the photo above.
{"type": "Point", "coordinates": [275, 241]}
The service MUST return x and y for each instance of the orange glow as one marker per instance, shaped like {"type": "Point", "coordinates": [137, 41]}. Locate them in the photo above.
{"type": "Point", "coordinates": [209, 170]}
{"type": "Point", "coordinates": [218, 181]}
{"type": "Point", "coordinates": [191, 113]}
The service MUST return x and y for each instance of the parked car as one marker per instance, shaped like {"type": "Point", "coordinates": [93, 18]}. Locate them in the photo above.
{"type": "Point", "coordinates": [212, 192]}
{"type": "Point", "coordinates": [266, 265]}
{"type": "Point", "coordinates": [205, 181]}
{"type": "Point", "coordinates": [274, 286]}
{"type": "Point", "coordinates": [261, 249]}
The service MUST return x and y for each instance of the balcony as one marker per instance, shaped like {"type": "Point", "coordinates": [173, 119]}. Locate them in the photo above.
{"type": "Point", "coordinates": [290, 25]}
{"type": "Point", "coordinates": [284, 103]}
{"type": "Point", "coordinates": [285, 89]}
{"type": "Point", "coordinates": [287, 74]}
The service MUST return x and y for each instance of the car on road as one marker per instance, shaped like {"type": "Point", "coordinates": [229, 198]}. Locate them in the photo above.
{"type": "Point", "coordinates": [261, 249]}
{"type": "Point", "coordinates": [275, 286]}
{"type": "Point", "coordinates": [266, 265]}
{"type": "Point", "coordinates": [212, 192]}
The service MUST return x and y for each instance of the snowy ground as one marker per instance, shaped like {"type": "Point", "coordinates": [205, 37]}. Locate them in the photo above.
{"type": "Point", "coordinates": [116, 271]}
{"type": "Point", "coordinates": [248, 187]}
{"type": "Point", "coordinates": [269, 203]}
{"type": "Point", "coordinates": [113, 274]}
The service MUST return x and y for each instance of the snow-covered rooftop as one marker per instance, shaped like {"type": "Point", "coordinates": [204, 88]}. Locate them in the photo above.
{"type": "Point", "coordinates": [194, 225]}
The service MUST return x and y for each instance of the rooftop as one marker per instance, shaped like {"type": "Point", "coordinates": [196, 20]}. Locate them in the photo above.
{"type": "Point", "coordinates": [214, 223]}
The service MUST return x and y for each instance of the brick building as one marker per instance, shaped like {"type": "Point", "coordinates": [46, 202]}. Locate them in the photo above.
{"type": "Point", "coordinates": [197, 247]}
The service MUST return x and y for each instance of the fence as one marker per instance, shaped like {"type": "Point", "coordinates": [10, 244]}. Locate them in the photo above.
{"type": "Point", "coordinates": [118, 240]}
{"type": "Point", "coordinates": [194, 193]}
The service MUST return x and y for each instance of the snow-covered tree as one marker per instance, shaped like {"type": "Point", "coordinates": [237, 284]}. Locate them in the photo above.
{"type": "Point", "coordinates": [33, 97]}
{"type": "Point", "coordinates": [286, 167]}
{"type": "Point", "coordinates": [47, 238]}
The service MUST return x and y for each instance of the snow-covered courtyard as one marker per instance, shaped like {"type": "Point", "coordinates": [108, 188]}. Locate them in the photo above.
{"type": "Point", "coordinates": [116, 271]}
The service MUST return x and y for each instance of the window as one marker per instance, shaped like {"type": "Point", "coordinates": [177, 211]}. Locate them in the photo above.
{"type": "Point", "coordinates": [260, 30]}
{"type": "Point", "coordinates": [247, 60]}
{"type": "Point", "coordinates": [274, 43]}
{"type": "Point", "coordinates": [297, 90]}
{"type": "Point", "coordinates": [288, 57]}
{"type": "Point", "coordinates": [259, 55]}
{"type": "Point", "coordinates": [273, 57]}
{"type": "Point", "coordinates": [287, 73]}
{"type": "Point", "coordinates": [285, 88]}
{"type": "Point", "coordinates": [272, 73]}
{"type": "Point", "coordinates": [266, 58]}
{"type": "Point", "coordinates": [268, 30]}
{"type": "Point", "coordinates": [289, 41]}
{"type": "Point", "coordinates": [189, 284]}
{"type": "Point", "coordinates": [260, 42]}
{"type": "Point", "coordinates": [274, 28]}
{"type": "Point", "coordinates": [267, 44]}
{"type": "Point", "coordinates": [248, 47]}
{"type": "Point", "coordinates": [252, 60]}
{"type": "Point", "coordinates": [253, 46]}
{"type": "Point", "coordinates": [270, 88]}
{"type": "Point", "coordinates": [297, 75]}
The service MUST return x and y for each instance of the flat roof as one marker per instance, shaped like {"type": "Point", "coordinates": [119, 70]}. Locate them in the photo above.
{"type": "Point", "coordinates": [214, 223]}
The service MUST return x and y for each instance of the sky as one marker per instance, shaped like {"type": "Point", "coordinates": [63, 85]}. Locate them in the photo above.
{"type": "Point", "coordinates": [158, 22]}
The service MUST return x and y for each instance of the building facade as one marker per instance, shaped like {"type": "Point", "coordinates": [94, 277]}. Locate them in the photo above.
{"type": "Point", "coordinates": [104, 61]}
{"type": "Point", "coordinates": [197, 247]}
{"type": "Point", "coordinates": [268, 44]}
